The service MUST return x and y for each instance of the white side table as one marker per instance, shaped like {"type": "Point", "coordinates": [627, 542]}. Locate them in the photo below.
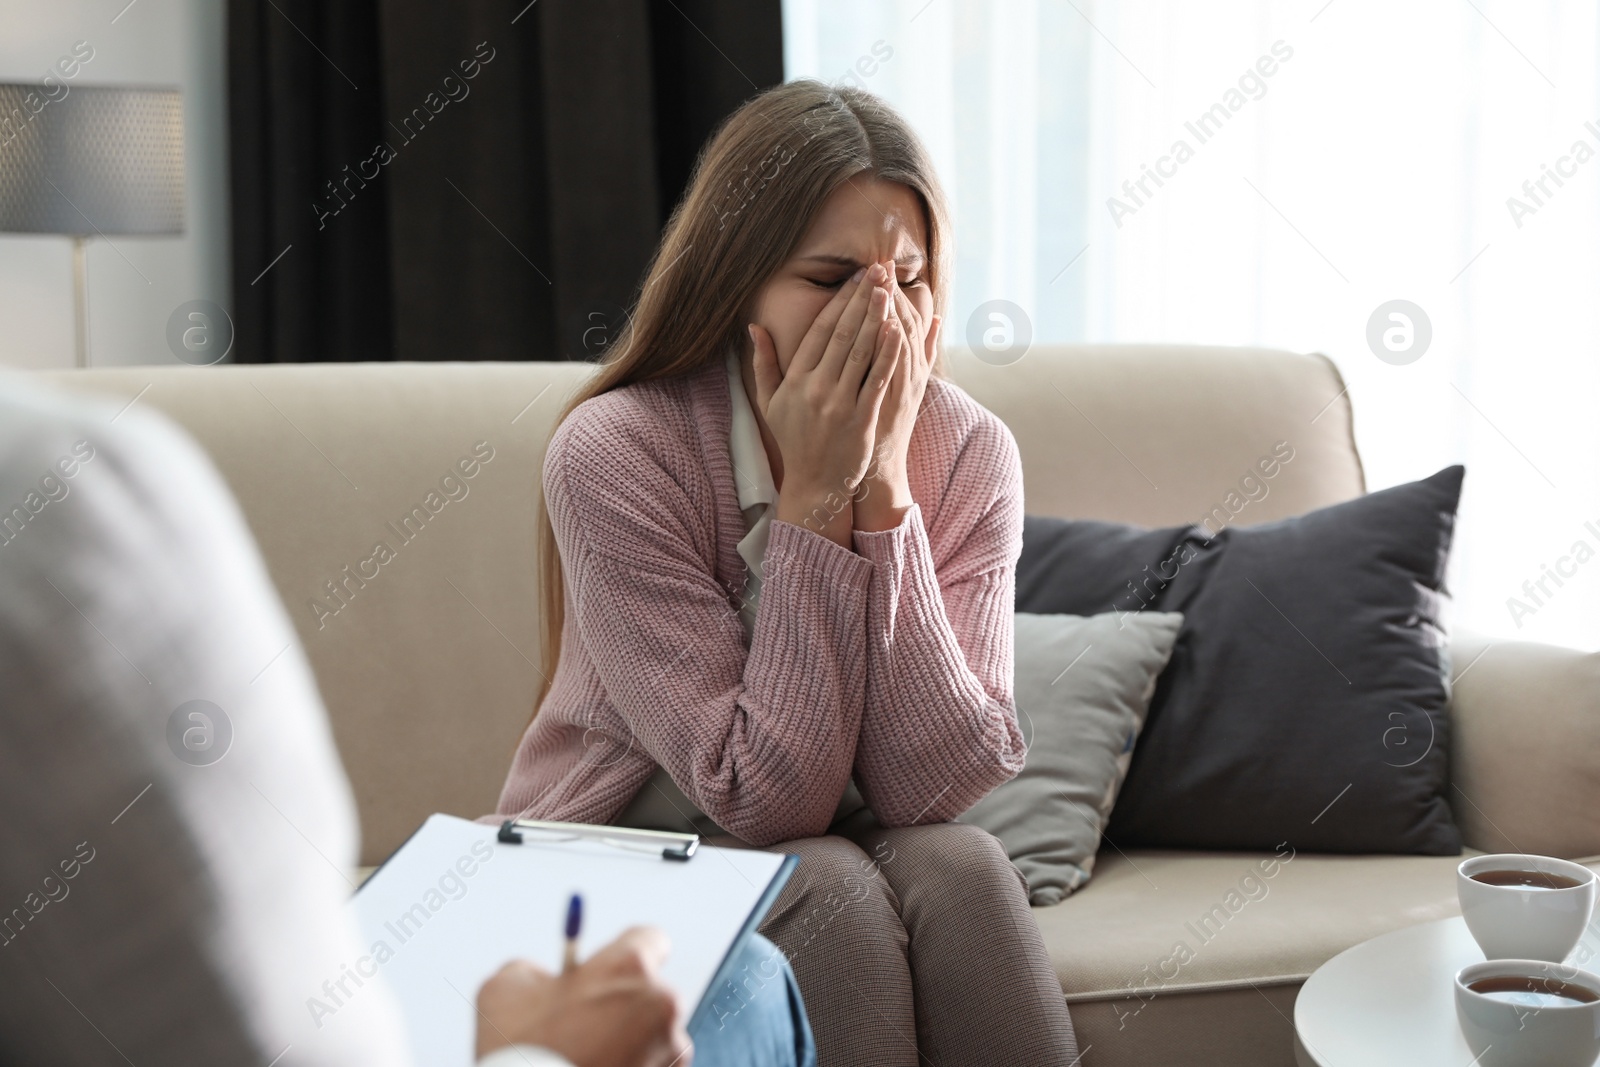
{"type": "Point", "coordinates": [1388, 1002]}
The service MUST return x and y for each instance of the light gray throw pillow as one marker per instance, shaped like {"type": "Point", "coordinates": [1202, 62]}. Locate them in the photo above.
{"type": "Point", "coordinates": [1083, 685]}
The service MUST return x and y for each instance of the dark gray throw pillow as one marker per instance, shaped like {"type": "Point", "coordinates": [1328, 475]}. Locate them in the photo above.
{"type": "Point", "coordinates": [1304, 702]}
{"type": "Point", "coordinates": [1082, 689]}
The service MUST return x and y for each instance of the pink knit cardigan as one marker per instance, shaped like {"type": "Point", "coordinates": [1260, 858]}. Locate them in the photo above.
{"type": "Point", "coordinates": [891, 662]}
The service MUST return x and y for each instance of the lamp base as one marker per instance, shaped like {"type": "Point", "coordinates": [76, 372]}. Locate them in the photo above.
{"type": "Point", "coordinates": [80, 298]}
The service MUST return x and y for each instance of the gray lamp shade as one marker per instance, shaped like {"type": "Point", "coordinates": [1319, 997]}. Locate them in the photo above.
{"type": "Point", "coordinates": [99, 160]}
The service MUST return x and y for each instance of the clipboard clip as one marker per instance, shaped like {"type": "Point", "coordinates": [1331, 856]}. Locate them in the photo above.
{"type": "Point", "coordinates": [671, 846]}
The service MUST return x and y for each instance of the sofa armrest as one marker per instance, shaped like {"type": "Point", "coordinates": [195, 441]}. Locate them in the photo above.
{"type": "Point", "coordinates": [1525, 746]}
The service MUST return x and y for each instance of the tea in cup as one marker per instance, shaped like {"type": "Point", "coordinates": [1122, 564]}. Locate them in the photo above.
{"type": "Point", "coordinates": [1525, 907]}
{"type": "Point", "coordinates": [1529, 1013]}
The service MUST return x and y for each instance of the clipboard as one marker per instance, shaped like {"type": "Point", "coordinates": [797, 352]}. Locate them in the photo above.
{"type": "Point", "coordinates": [458, 899]}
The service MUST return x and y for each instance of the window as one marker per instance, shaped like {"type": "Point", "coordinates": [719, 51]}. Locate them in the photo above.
{"type": "Point", "coordinates": [1341, 154]}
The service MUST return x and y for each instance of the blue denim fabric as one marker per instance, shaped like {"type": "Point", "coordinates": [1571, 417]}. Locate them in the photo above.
{"type": "Point", "coordinates": [756, 1017]}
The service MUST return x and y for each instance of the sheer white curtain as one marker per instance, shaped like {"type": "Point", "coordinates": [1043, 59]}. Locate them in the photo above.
{"type": "Point", "coordinates": [1337, 155]}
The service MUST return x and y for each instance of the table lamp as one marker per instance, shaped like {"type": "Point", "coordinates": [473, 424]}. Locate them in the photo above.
{"type": "Point", "coordinates": [87, 161]}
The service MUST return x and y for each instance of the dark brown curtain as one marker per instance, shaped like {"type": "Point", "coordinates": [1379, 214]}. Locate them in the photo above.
{"type": "Point", "coordinates": [479, 180]}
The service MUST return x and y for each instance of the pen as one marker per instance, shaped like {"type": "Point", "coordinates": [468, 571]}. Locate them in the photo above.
{"type": "Point", "coordinates": [569, 959]}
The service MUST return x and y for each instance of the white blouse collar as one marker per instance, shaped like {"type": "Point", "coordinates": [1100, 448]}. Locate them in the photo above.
{"type": "Point", "coordinates": [751, 471]}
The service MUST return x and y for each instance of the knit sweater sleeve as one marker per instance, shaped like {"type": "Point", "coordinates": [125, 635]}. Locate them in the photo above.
{"type": "Point", "coordinates": [762, 742]}
{"type": "Point", "coordinates": [940, 728]}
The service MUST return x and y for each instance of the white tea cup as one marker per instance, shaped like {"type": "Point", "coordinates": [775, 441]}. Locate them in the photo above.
{"type": "Point", "coordinates": [1537, 1014]}
{"type": "Point", "coordinates": [1531, 907]}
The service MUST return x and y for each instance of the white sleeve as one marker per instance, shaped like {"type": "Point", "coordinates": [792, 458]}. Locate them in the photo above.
{"type": "Point", "coordinates": [523, 1056]}
{"type": "Point", "coordinates": [173, 905]}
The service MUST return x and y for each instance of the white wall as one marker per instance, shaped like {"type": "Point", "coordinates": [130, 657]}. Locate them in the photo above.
{"type": "Point", "coordinates": [134, 282]}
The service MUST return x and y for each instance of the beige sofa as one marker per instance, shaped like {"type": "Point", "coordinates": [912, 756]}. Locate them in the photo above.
{"type": "Point", "coordinates": [428, 666]}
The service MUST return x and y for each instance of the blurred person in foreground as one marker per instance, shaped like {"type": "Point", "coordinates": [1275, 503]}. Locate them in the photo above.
{"type": "Point", "coordinates": [153, 910]}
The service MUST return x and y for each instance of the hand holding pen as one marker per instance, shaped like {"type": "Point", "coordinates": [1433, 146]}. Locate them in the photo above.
{"type": "Point", "coordinates": [611, 1010]}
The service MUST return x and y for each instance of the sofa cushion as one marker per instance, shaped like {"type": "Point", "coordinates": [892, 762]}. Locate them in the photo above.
{"type": "Point", "coordinates": [1306, 698]}
{"type": "Point", "coordinates": [1163, 434]}
{"type": "Point", "coordinates": [1087, 566]}
{"type": "Point", "coordinates": [1083, 686]}
{"type": "Point", "coordinates": [1153, 923]}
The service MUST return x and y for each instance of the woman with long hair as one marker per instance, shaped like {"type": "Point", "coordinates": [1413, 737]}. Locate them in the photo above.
{"type": "Point", "coordinates": [778, 556]}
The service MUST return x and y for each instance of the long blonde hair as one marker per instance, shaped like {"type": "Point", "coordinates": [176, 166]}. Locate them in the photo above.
{"type": "Point", "coordinates": [757, 185]}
